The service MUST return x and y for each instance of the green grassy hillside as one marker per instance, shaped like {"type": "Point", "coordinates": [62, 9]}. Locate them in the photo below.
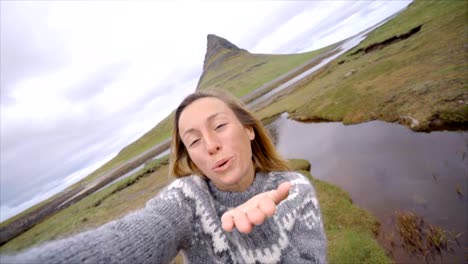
{"type": "Point", "coordinates": [243, 73]}
{"type": "Point", "coordinates": [419, 81]}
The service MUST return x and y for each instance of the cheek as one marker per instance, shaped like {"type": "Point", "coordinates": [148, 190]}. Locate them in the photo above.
{"type": "Point", "coordinates": [197, 159]}
{"type": "Point", "coordinates": [245, 146]}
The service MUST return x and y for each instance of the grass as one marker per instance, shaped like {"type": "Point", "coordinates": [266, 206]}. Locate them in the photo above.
{"type": "Point", "coordinates": [417, 237]}
{"type": "Point", "coordinates": [244, 72]}
{"type": "Point", "coordinates": [350, 230]}
{"type": "Point", "coordinates": [422, 77]}
{"type": "Point", "coordinates": [101, 207]}
{"type": "Point", "coordinates": [156, 135]}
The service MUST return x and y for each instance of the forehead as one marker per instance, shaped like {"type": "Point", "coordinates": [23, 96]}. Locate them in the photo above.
{"type": "Point", "coordinates": [201, 110]}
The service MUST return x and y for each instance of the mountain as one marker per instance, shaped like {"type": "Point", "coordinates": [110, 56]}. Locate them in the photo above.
{"type": "Point", "coordinates": [411, 70]}
{"type": "Point", "coordinates": [219, 49]}
{"type": "Point", "coordinates": [238, 71]}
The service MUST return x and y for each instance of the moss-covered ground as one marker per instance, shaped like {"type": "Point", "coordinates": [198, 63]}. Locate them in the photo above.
{"type": "Point", "coordinates": [419, 81]}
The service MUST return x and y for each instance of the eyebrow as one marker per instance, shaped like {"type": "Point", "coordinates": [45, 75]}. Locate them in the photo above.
{"type": "Point", "coordinates": [211, 117]}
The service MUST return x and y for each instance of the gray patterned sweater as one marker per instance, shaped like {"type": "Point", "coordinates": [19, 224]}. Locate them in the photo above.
{"type": "Point", "coordinates": [186, 217]}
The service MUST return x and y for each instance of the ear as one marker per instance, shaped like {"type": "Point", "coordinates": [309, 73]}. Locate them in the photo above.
{"type": "Point", "coordinates": [250, 132]}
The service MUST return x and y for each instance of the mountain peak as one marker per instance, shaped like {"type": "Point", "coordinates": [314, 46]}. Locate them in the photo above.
{"type": "Point", "coordinates": [217, 45]}
{"type": "Point", "coordinates": [219, 42]}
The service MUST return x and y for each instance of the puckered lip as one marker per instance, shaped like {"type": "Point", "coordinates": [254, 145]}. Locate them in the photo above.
{"type": "Point", "coordinates": [221, 162]}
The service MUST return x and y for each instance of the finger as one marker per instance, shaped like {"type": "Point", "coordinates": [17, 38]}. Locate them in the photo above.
{"type": "Point", "coordinates": [281, 193]}
{"type": "Point", "coordinates": [227, 221]}
{"type": "Point", "coordinates": [256, 216]}
{"type": "Point", "coordinates": [267, 206]}
{"type": "Point", "coordinates": [241, 222]}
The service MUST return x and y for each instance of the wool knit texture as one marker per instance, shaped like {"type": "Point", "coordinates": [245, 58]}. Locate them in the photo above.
{"type": "Point", "coordinates": [186, 218]}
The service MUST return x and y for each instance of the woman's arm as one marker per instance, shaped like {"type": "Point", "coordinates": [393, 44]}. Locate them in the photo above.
{"type": "Point", "coordinates": [151, 235]}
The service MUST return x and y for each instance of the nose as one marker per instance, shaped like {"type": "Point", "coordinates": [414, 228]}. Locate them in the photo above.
{"type": "Point", "coordinates": [212, 143]}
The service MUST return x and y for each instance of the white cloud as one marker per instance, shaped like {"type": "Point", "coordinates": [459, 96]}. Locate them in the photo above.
{"type": "Point", "coordinates": [298, 25]}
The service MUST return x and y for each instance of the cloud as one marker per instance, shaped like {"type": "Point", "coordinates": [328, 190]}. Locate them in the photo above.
{"type": "Point", "coordinates": [36, 195]}
{"type": "Point", "coordinates": [85, 89]}
{"type": "Point", "coordinates": [325, 23]}
{"type": "Point", "coordinates": [297, 25]}
{"type": "Point", "coordinates": [41, 158]}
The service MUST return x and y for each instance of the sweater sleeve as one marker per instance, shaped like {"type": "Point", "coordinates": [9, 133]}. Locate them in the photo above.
{"type": "Point", "coordinates": [307, 232]}
{"type": "Point", "coordinates": [152, 235]}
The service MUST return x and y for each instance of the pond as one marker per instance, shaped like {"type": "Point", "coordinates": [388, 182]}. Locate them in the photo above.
{"type": "Point", "coordinates": [387, 167]}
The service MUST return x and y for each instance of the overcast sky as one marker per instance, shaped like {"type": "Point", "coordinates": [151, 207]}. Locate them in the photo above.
{"type": "Point", "coordinates": [81, 80]}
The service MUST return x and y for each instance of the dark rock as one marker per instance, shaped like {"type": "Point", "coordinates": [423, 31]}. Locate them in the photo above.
{"type": "Point", "coordinates": [215, 46]}
{"type": "Point", "coordinates": [436, 123]}
{"type": "Point", "coordinates": [218, 49]}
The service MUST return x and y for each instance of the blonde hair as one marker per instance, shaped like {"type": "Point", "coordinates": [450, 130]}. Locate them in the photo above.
{"type": "Point", "coordinates": [264, 154]}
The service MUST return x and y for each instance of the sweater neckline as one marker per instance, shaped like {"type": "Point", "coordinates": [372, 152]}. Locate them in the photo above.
{"type": "Point", "coordinates": [233, 199]}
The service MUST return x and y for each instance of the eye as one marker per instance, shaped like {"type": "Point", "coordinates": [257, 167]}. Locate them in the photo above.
{"type": "Point", "coordinates": [220, 126]}
{"type": "Point", "coordinates": [194, 142]}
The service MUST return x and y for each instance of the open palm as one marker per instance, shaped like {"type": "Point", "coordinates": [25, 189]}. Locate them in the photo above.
{"type": "Point", "coordinates": [255, 210]}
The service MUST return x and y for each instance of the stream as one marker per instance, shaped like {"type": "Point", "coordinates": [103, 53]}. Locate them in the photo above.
{"type": "Point", "coordinates": [130, 173]}
{"type": "Point", "coordinates": [344, 47]}
{"type": "Point", "coordinates": [387, 167]}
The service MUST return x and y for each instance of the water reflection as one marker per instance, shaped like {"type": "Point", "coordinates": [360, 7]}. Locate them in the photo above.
{"type": "Point", "coordinates": [387, 167]}
{"type": "Point", "coordinates": [126, 175]}
{"type": "Point", "coordinates": [162, 154]}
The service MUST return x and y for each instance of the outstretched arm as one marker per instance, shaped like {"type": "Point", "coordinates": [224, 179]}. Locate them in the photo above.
{"type": "Point", "coordinates": [152, 235]}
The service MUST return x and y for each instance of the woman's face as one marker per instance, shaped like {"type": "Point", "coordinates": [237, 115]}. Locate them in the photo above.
{"type": "Point", "coordinates": [218, 143]}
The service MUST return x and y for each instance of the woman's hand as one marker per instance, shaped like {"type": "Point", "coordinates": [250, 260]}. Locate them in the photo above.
{"type": "Point", "coordinates": [255, 210]}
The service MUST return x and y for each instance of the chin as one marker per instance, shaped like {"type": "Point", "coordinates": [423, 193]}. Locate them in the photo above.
{"type": "Point", "coordinates": [230, 181]}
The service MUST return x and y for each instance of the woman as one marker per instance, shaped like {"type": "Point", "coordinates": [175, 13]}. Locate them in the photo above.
{"type": "Point", "coordinates": [234, 201]}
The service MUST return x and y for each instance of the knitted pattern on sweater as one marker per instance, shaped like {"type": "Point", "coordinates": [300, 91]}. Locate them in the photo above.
{"type": "Point", "coordinates": [186, 217]}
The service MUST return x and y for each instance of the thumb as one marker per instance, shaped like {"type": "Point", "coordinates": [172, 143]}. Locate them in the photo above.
{"type": "Point", "coordinates": [281, 193]}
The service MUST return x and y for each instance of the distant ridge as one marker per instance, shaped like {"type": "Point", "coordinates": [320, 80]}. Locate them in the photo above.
{"type": "Point", "coordinates": [218, 49]}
